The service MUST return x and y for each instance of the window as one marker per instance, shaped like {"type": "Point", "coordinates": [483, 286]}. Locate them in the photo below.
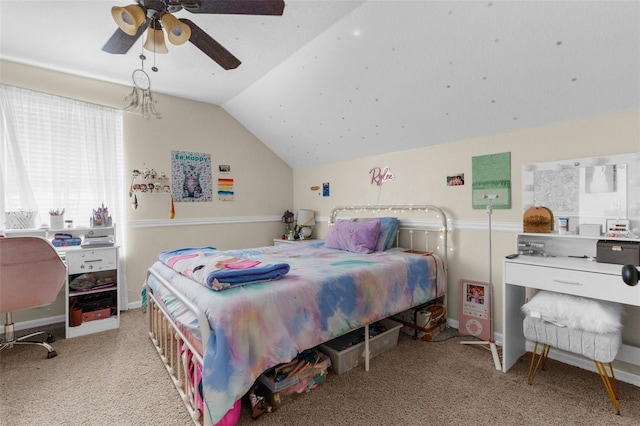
{"type": "Point", "coordinates": [60, 153]}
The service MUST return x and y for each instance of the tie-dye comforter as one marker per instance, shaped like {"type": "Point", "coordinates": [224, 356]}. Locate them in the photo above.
{"type": "Point", "coordinates": [326, 293]}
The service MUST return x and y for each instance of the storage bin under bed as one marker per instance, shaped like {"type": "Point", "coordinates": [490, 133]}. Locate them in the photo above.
{"type": "Point", "coordinates": [343, 360]}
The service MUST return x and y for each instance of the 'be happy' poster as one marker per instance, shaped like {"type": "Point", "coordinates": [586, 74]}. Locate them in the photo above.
{"type": "Point", "coordinates": [191, 176]}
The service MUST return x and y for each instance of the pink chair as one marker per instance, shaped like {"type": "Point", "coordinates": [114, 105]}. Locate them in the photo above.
{"type": "Point", "coordinates": [31, 275]}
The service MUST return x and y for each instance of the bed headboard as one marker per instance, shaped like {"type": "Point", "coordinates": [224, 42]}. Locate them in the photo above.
{"type": "Point", "coordinates": [421, 226]}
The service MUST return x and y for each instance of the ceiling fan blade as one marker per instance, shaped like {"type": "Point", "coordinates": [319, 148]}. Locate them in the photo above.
{"type": "Point", "coordinates": [210, 47]}
{"type": "Point", "coordinates": [120, 42]}
{"type": "Point", "coordinates": [235, 7]}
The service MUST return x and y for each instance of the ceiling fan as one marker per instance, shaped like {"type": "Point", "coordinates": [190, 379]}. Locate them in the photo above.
{"type": "Point", "coordinates": [155, 15]}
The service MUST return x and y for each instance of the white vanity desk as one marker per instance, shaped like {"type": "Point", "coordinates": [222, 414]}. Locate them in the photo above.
{"type": "Point", "coordinates": [589, 192]}
{"type": "Point", "coordinates": [580, 277]}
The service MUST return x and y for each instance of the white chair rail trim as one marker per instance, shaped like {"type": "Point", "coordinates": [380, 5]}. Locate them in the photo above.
{"type": "Point", "coordinates": [514, 227]}
{"type": "Point", "coordinates": [153, 223]}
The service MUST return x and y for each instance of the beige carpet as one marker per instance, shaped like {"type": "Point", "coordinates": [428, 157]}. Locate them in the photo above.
{"type": "Point", "coordinates": [116, 378]}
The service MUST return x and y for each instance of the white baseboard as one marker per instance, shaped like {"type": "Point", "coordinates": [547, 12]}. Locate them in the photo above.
{"type": "Point", "coordinates": [25, 325]}
{"type": "Point", "coordinates": [135, 305]}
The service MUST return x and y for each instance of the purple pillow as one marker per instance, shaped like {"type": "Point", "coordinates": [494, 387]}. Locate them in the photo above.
{"type": "Point", "coordinates": [356, 237]}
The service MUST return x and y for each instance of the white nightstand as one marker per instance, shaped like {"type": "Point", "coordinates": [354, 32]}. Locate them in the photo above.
{"type": "Point", "coordinates": [280, 241]}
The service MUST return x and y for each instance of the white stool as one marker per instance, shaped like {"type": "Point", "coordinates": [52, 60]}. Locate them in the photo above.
{"type": "Point", "coordinates": [600, 347]}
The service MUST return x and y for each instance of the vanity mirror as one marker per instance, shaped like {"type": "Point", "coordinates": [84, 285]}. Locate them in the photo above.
{"type": "Point", "coordinates": [587, 191]}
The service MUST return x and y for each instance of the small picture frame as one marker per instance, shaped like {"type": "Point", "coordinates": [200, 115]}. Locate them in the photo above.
{"type": "Point", "coordinates": [455, 180]}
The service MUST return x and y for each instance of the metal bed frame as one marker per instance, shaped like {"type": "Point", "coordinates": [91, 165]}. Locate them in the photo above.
{"type": "Point", "coordinates": [180, 357]}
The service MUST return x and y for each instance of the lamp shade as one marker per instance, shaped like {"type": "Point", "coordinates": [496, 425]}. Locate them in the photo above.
{"type": "Point", "coordinates": [155, 41]}
{"type": "Point", "coordinates": [177, 32]}
{"type": "Point", "coordinates": [306, 218]}
{"type": "Point", "coordinates": [128, 18]}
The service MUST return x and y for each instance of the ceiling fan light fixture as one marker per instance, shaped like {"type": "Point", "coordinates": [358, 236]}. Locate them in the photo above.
{"type": "Point", "coordinates": [155, 41]}
{"type": "Point", "coordinates": [177, 32]}
{"type": "Point", "coordinates": [128, 18]}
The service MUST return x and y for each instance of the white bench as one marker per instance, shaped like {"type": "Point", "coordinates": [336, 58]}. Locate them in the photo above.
{"type": "Point", "coordinates": [602, 348]}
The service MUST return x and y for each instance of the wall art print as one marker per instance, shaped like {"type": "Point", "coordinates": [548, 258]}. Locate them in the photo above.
{"type": "Point", "coordinates": [191, 176]}
{"type": "Point", "coordinates": [456, 179]}
{"type": "Point", "coordinates": [491, 176]}
{"type": "Point", "coordinates": [225, 189]}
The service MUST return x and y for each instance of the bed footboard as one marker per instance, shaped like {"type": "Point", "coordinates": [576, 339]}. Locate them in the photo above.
{"type": "Point", "coordinates": [180, 358]}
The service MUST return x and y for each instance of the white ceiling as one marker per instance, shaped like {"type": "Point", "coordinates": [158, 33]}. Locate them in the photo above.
{"type": "Point", "coordinates": [335, 80]}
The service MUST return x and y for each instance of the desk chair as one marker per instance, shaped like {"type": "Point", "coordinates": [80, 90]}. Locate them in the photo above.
{"type": "Point", "coordinates": [31, 275]}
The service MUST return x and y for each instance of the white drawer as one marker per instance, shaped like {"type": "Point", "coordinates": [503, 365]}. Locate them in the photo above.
{"type": "Point", "coordinates": [86, 260]}
{"type": "Point", "coordinates": [570, 281]}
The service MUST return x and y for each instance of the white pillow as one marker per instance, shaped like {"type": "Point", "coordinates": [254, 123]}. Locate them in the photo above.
{"type": "Point", "coordinates": [582, 313]}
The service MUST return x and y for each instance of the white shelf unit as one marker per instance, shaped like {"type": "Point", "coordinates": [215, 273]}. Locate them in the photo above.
{"type": "Point", "coordinates": [103, 261]}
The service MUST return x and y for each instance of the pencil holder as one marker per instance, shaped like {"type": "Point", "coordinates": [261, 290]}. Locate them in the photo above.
{"type": "Point", "coordinates": [57, 222]}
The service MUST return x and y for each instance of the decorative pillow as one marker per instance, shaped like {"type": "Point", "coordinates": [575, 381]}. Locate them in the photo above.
{"type": "Point", "coordinates": [387, 234]}
{"type": "Point", "coordinates": [582, 313]}
{"type": "Point", "coordinates": [356, 237]}
{"type": "Point", "coordinates": [391, 235]}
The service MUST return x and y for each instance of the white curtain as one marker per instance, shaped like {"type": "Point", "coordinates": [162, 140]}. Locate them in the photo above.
{"type": "Point", "coordinates": [61, 153]}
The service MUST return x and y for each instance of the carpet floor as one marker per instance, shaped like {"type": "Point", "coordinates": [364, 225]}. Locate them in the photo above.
{"type": "Point", "coordinates": [116, 378]}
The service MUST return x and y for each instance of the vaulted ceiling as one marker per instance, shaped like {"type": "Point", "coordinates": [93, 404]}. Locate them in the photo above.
{"type": "Point", "coordinates": [334, 80]}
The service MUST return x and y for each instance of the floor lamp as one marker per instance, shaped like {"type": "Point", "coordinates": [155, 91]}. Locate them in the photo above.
{"type": "Point", "coordinates": [490, 342]}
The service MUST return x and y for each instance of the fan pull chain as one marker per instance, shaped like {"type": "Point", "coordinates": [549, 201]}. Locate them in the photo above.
{"type": "Point", "coordinates": [154, 68]}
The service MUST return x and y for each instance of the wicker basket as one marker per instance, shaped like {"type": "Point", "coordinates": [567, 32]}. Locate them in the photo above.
{"type": "Point", "coordinates": [20, 220]}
